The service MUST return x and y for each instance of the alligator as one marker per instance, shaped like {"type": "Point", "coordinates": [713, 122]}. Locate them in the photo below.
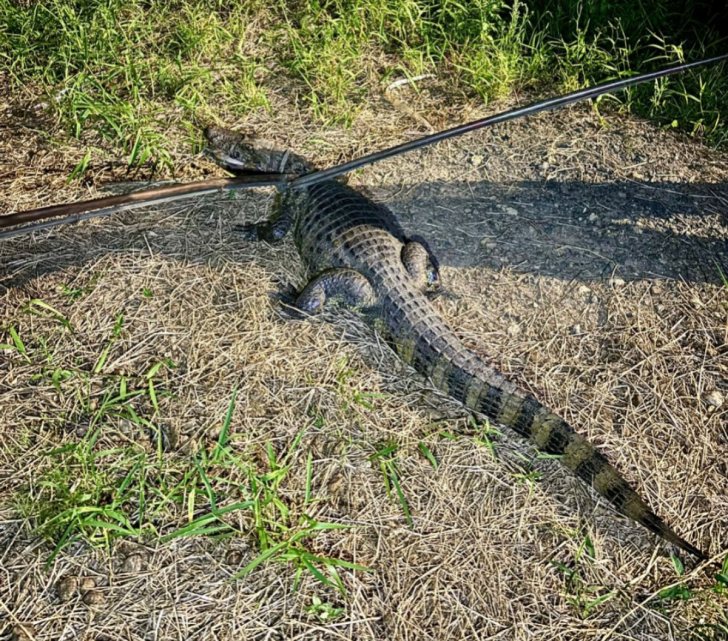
{"type": "Point", "coordinates": [359, 256]}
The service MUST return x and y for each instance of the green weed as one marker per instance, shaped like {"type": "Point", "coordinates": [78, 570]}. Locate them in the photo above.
{"type": "Point", "coordinates": [75, 293]}
{"type": "Point", "coordinates": [484, 434]}
{"type": "Point", "coordinates": [427, 453]}
{"type": "Point", "coordinates": [94, 492]}
{"type": "Point", "coordinates": [348, 394]}
{"type": "Point", "coordinates": [386, 457]}
{"type": "Point", "coordinates": [583, 597]}
{"type": "Point", "coordinates": [711, 600]}
{"type": "Point", "coordinates": [141, 72]}
{"type": "Point", "coordinates": [324, 612]}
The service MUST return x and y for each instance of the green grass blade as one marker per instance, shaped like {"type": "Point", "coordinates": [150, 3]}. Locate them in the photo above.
{"type": "Point", "coordinates": [222, 440]}
{"type": "Point", "coordinates": [261, 558]}
{"type": "Point", "coordinates": [428, 455]}
{"type": "Point", "coordinates": [19, 345]}
{"type": "Point", "coordinates": [402, 500]}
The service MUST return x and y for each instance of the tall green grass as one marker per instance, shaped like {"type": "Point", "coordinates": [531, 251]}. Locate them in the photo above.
{"type": "Point", "coordinates": [139, 73]}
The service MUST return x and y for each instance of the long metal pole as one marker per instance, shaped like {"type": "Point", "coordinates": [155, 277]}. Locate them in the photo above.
{"type": "Point", "coordinates": [519, 112]}
{"type": "Point", "coordinates": [144, 197]}
{"type": "Point", "coordinates": [104, 206]}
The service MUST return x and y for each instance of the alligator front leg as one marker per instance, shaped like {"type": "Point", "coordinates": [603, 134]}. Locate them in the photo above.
{"type": "Point", "coordinates": [343, 285]}
{"type": "Point", "coordinates": [421, 265]}
{"type": "Point", "coordinates": [273, 229]}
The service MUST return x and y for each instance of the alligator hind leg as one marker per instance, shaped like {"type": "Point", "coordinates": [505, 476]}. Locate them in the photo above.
{"type": "Point", "coordinates": [347, 286]}
{"type": "Point", "coordinates": [420, 264]}
{"type": "Point", "coordinates": [273, 229]}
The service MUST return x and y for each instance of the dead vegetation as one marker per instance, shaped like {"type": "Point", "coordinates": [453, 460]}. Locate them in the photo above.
{"type": "Point", "coordinates": [503, 545]}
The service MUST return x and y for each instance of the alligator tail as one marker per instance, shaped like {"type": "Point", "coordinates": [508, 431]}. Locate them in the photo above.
{"type": "Point", "coordinates": [464, 376]}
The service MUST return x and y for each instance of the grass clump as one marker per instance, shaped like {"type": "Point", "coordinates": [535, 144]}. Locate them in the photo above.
{"type": "Point", "coordinates": [141, 73]}
{"type": "Point", "coordinates": [95, 494]}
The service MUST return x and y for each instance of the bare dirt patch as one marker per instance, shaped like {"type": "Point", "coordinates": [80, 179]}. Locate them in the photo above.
{"type": "Point", "coordinates": [580, 257]}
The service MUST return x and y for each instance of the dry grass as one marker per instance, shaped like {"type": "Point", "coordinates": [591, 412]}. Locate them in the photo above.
{"type": "Point", "coordinates": [629, 364]}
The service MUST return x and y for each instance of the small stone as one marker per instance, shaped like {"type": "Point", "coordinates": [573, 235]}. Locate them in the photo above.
{"type": "Point", "coordinates": [66, 588]}
{"type": "Point", "coordinates": [487, 243]}
{"type": "Point", "coordinates": [714, 398]}
{"type": "Point", "coordinates": [133, 564]}
{"type": "Point", "coordinates": [233, 557]}
{"type": "Point", "coordinates": [23, 632]}
{"type": "Point", "coordinates": [514, 329]}
{"type": "Point", "coordinates": [696, 302]}
{"type": "Point", "coordinates": [544, 165]}
{"type": "Point", "coordinates": [593, 218]}
{"type": "Point", "coordinates": [575, 329]}
{"type": "Point", "coordinates": [593, 299]}
{"type": "Point", "coordinates": [583, 290]}
{"type": "Point", "coordinates": [94, 598]}
{"type": "Point", "coordinates": [87, 583]}
{"type": "Point", "coordinates": [511, 211]}
{"type": "Point", "coordinates": [214, 432]}
{"type": "Point", "coordinates": [476, 160]}
{"type": "Point", "coordinates": [616, 282]}
{"type": "Point", "coordinates": [656, 290]}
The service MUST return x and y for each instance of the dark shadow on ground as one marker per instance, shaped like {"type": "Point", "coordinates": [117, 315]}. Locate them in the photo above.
{"type": "Point", "coordinates": [570, 231]}
{"type": "Point", "coordinates": [574, 231]}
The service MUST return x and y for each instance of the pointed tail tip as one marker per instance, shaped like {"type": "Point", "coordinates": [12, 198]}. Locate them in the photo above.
{"type": "Point", "coordinates": [673, 538]}
{"type": "Point", "coordinates": [697, 553]}
{"type": "Point", "coordinates": [655, 524]}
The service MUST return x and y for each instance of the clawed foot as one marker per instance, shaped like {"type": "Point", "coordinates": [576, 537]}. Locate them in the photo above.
{"type": "Point", "coordinates": [286, 294]}
{"type": "Point", "coordinates": [286, 297]}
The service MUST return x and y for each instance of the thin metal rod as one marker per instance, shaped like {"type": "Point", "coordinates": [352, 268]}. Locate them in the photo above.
{"type": "Point", "coordinates": [104, 206]}
{"type": "Point", "coordinates": [106, 211]}
{"type": "Point", "coordinates": [519, 112]}
{"type": "Point", "coordinates": [144, 197]}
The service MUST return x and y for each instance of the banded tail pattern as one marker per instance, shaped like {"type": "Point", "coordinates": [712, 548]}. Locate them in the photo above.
{"type": "Point", "coordinates": [438, 354]}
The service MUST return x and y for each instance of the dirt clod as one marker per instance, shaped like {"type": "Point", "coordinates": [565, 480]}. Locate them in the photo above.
{"type": "Point", "coordinates": [86, 584]}
{"type": "Point", "coordinates": [94, 598]}
{"type": "Point", "coordinates": [714, 398]}
{"type": "Point", "coordinates": [133, 564]}
{"type": "Point", "coordinates": [66, 588]}
{"type": "Point", "coordinates": [234, 557]}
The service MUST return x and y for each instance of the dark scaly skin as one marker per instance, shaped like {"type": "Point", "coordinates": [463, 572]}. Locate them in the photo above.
{"type": "Point", "coordinates": [357, 253]}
